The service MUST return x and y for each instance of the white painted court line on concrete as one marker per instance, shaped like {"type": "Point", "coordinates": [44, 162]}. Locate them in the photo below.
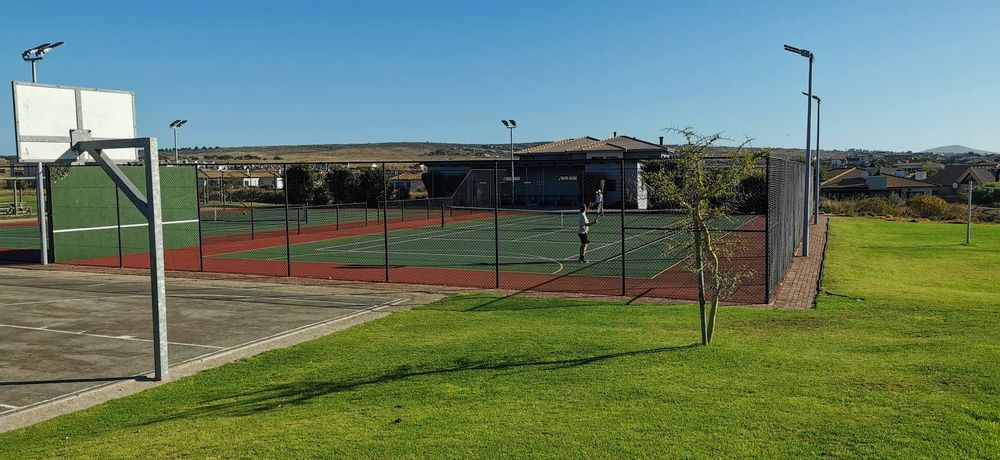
{"type": "Point", "coordinates": [8, 407]}
{"type": "Point", "coordinates": [35, 302]}
{"type": "Point", "coordinates": [296, 301]}
{"type": "Point", "coordinates": [102, 336]}
{"type": "Point", "coordinates": [112, 227]}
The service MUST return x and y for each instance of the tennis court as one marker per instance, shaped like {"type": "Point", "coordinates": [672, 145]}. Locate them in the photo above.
{"type": "Point", "coordinates": [459, 238]}
{"type": "Point", "coordinates": [533, 242]}
{"type": "Point", "coordinates": [19, 241]}
{"type": "Point", "coordinates": [535, 250]}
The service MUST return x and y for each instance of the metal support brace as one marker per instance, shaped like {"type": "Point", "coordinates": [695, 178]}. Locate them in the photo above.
{"type": "Point", "coordinates": [149, 205]}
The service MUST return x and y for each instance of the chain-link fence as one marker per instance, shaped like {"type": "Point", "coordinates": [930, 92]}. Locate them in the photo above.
{"type": "Point", "coordinates": [471, 223]}
{"type": "Point", "coordinates": [19, 238]}
{"type": "Point", "coordinates": [785, 202]}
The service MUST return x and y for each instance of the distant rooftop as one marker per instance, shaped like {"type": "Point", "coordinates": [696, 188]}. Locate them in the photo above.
{"type": "Point", "coordinates": [593, 144]}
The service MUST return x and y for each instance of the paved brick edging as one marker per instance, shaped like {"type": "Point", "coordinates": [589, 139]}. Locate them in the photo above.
{"type": "Point", "coordinates": [798, 291]}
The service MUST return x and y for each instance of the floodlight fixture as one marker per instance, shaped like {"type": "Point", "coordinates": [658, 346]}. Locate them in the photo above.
{"type": "Point", "coordinates": [799, 51]}
{"type": "Point", "coordinates": [815, 97]}
{"type": "Point", "coordinates": [36, 54]}
{"type": "Point", "coordinates": [174, 126]}
{"type": "Point", "coordinates": [513, 123]}
{"type": "Point", "coordinates": [505, 123]}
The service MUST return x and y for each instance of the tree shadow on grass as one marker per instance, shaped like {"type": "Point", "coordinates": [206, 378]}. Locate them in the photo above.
{"type": "Point", "coordinates": [254, 402]}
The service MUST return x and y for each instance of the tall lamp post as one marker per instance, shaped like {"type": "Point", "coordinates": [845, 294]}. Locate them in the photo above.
{"type": "Point", "coordinates": [33, 55]}
{"type": "Point", "coordinates": [816, 180]}
{"type": "Point", "coordinates": [175, 126]}
{"type": "Point", "coordinates": [807, 204]}
{"type": "Point", "coordinates": [510, 125]}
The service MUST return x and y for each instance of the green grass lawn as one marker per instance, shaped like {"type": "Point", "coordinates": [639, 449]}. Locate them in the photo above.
{"type": "Point", "coordinates": [900, 359]}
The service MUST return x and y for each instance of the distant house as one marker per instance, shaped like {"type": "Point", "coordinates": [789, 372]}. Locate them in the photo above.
{"type": "Point", "coordinates": [409, 181]}
{"type": "Point", "coordinates": [241, 178]}
{"type": "Point", "coordinates": [858, 160]}
{"type": "Point", "coordinates": [961, 174]}
{"type": "Point", "coordinates": [557, 174]}
{"type": "Point", "coordinates": [898, 157]}
{"type": "Point", "coordinates": [920, 166]}
{"type": "Point", "coordinates": [858, 183]}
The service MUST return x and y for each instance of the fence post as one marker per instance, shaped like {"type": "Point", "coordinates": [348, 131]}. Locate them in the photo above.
{"type": "Point", "coordinates": [767, 231]}
{"type": "Point", "coordinates": [385, 222]}
{"type": "Point", "coordinates": [442, 215]}
{"type": "Point", "coordinates": [197, 200]}
{"type": "Point", "coordinates": [336, 213]}
{"type": "Point", "coordinates": [621, 193]}
{"type": "Point", "coordinates": [118, 219]}
{"type": "Point", "coordinates": [253, 195]}
{"type": "Point", "coordinates": [496, 221]}
{"type": "Point", "coordinates": [288, 238]}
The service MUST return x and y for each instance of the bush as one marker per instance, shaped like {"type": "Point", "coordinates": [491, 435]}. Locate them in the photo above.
{"type": "Point", "coordinates": [875, 206]}
{"type": "Point", "coordinates": [986, 196]}
{"type": "Point", "coordinates": [928, 207]}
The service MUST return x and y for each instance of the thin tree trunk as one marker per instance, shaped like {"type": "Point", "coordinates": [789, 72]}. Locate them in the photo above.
{"type": "Point", "coordinates": [700, 276]}
{"type": "Point", "coordinates": [716, 283]}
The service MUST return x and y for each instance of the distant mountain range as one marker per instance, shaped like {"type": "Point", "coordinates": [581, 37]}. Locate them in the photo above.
{"type": "Point", "coordinates": [957, 149]}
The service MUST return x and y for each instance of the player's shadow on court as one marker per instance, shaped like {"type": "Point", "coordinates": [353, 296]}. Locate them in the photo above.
{"type": "Point", "coordinates": [272, 397]}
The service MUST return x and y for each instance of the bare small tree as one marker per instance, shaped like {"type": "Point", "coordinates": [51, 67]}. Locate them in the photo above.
{"type": "Point", "coordinates": [706, 182]}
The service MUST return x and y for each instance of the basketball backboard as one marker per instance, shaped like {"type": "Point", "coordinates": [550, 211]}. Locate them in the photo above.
{"type": "Point", "coordinates": [45, 114]}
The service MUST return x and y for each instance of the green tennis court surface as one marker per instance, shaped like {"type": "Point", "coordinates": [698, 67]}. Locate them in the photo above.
{"type": "Point", "coordinates": [529, 242]}
{"type": "Point", "coordinates": [245, 220]}
{"type": "Point", "coordinates": [19, 235]}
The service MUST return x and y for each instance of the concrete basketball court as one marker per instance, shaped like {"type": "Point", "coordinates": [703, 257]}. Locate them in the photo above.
{"type": "Point", "coordinates": [68, 338]}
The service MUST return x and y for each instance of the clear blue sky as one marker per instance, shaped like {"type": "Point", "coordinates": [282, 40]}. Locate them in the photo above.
{"type": "Point", "coordinates": [896, 75]}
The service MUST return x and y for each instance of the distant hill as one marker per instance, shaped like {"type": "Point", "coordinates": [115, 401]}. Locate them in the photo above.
{"type": "Point", "coordinates": [957, 149]}
{"type": "Point", "coordinates": [386, 151]}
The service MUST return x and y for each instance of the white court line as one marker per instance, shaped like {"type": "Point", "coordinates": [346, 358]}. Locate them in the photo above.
{"type": "Point", "coordinates": [238, 297]}
{"type": "Point", "coordinates": [35, 302]}
{"type": "Point", "coordinates": [9, 407]}
{"type": "Point", "coordinates": [102, 336]}
{"type": "Point", "coordinates": [111, 227]}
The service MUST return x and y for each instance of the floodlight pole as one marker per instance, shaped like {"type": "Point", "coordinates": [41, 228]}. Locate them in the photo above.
{"type": "Point", "coordinates": [816, 179]}
{"type": "Point", "coordinates": [807, 203]}
{"type": "Point", "coordinates": [175, 144]}
{"type": "Point", "coordinates": [968, 223]}
{"type": "Point", "coordinates": [511, 129]}
{"type": "Point", "coordinates": [510, 125]}
{"type": "Point", "coordinates": [43, 230]}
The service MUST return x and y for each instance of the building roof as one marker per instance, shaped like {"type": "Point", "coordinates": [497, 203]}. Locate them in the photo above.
{"type": "Point", "coordinates": [565, 145]}
{"type": "Point", "coordinates": [409, 176]}
{"type": "Point", "coordinates": [237, 173]}
{"type": "Point", "coordinates": [592, 144]}
{"type": "Point", "coordinates": [962, 173]}
{"type": "Point", "coordinates": [856, 179]}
